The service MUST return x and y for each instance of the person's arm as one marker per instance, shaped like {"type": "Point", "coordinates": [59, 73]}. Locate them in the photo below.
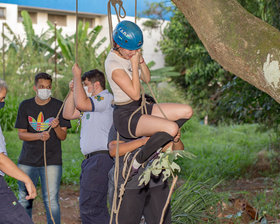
{"type": "Point", "coordinates": [125, 147]}
{"type": "Point", "coordinates": [28, 136]}
{"type": "Point", "coordinates": [61, 132]}
{"type": "Point", "coordinates": [130, 86]}
{"type": "Point", "coordinates": [70, 112]}
{"type": "Point", "coordinates": [176, 144]}
{"type": "Point", "coordinates": [82, 102]}
{"type": "Point", "coordinates": [9, 168]}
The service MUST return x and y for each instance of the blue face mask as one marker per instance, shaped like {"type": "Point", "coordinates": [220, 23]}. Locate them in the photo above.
{"type": "Point", "coordinates": [2, 104]}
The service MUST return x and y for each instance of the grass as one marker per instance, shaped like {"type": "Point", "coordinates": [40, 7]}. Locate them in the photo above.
{"type": "Point", "coordinates": [223, 152]}
{"type": "Point", "coordinates": [71, 157]}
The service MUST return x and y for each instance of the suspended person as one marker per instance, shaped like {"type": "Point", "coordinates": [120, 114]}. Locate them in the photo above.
{"type": "Point", "coordinates": [10, 209]}
{"type": "Point", "coordinates": [93, 103]}
{"type": "Point", "coordinates": [35, 117]}
{"type": "Point", "coordinates": [147, 201]}
{"type": "Point", "coordinates": [125, 67]}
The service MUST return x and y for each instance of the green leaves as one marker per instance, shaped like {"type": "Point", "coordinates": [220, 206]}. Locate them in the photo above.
{"type": "Point", "coordinates": [165, 164]}
{"type": "Point", "coordinates": [192, 202]}
{"type": "Point", "coordinates": [29, 54]}
{"type": "Point", "coordinates": [27, 23]}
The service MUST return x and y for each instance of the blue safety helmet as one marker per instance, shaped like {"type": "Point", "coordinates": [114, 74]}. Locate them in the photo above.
{"type": "Point", "coordinates": [128, 35]}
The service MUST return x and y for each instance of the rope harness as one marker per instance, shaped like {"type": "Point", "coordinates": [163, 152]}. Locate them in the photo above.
{"type": "Point", "coordinates": [115, 208]}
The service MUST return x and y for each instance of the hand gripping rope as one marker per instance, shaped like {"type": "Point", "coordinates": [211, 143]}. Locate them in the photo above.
{"type": "Point", "coordinates": [57, 116]}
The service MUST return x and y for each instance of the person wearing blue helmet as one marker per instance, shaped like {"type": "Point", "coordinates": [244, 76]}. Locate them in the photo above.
{"type": "Point", "coordinates": [125, 67]}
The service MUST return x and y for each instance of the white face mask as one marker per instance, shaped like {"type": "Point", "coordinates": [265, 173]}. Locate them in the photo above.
{"type": "Point", "coordinates": [87, 93]}
{"type": "Point", "coordinates": [44, 94]}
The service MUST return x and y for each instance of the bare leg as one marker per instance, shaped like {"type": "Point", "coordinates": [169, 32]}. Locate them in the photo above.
{"type": "Point", "coordinates": [173, 111]}
{"type": "Point", "coordinates": [149, 125]}
{"type": "Point", "coordinates": [160, 129]}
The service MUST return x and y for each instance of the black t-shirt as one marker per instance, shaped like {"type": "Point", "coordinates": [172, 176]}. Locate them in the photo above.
{"type": "Point", "coordinates": [37, 118]}
{"type": "Point", "coordinates": [133, 183]}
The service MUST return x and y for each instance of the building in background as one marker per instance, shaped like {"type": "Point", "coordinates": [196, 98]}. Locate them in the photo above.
{"type": "Point", "coordinates": [93, 11]}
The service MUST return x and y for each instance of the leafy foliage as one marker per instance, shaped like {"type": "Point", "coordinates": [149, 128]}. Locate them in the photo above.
{"type": "Point", "coordinates": [165, 164]}
{"type": "Point", "coordinates": [210, 89]}
{"type": "Point", "coordinates": [26, 57]}
{"type": "Point", "coordinates": [8, 114]}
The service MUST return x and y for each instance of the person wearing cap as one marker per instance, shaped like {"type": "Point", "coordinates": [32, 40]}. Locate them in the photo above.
{"type": "Point", "coordinates": [125, 67]}
{"type": "Point", "coordinates": [11, 210]}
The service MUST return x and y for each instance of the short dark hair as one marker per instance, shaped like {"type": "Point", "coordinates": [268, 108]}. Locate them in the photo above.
{"type": "Point", "coordinates": [42, 75]}
{"type": "Point", "coordinates": [94, 76]}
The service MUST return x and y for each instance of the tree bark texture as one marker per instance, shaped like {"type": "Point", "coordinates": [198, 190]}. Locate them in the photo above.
{"type": "Point", "coordinates": [240, 42]}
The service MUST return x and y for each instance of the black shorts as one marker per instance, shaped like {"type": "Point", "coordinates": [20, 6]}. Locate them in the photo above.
{"type": "Point", "coordinates": [122, 114]}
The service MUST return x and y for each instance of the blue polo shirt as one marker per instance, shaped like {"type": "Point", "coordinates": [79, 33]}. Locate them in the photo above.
{"type": "Point", "coordinates": [97, 123]}
{"type": "Point", "coordinates": [2, 146]}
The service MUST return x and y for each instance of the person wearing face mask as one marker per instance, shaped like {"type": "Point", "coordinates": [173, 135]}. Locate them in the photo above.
{"type": "Point", "coordinates": [35, 117]}
{"type": "Point", "coordinates": [10, 210]}
{"type": "Point", "coordinates": [93, 103]}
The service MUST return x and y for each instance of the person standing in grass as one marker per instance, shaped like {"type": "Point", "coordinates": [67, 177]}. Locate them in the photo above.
{"type": "Point", "coordinates": [10, 210]}
{"type": "Point", "coordinates": [35, 117]}
{"type": "Point", "coordinates": [92, 102]}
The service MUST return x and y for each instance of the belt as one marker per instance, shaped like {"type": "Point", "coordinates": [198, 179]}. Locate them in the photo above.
{"type": "Point", "coordinates": [95, 153]}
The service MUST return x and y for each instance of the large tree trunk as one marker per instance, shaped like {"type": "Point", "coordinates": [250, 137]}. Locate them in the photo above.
{"type": "Point", "coordinates": [238, 41]}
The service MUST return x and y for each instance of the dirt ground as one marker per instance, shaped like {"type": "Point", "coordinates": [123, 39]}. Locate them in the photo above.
{"type": "Point", "coordinates": [69, 200]}
{"type": "Point", "coordinates": [69, 206]}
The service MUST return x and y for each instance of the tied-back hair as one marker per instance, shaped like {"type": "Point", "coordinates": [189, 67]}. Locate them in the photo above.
{"type": "Point", "coordinates": [3, 85]}
{"type": "Point", "coordinates": [95, 76]}
{"type": "Point", "coordinates": [42, 75]}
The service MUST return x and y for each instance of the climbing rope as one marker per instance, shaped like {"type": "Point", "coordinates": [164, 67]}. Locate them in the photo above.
{"type": "Point", "coordinates": [77, 39]}
{"type": "Point", "coordinates": [115, 209]}
{"type": "Point", "coordinates": [114, 3]}
{"type": "Point", "coordinates": [57, 116]}
{"type": "Point", "coordinates": [45, 162]}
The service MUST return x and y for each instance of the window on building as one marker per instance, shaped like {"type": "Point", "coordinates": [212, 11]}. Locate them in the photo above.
{"type": "Point", "coordinates": [91, 21]}
{"type": "Point", "coordinates": [33, 16]}
{"type": "Point", "coordinates": [2, 13]}
{"type": "Point", "coordinates": [60, 20]}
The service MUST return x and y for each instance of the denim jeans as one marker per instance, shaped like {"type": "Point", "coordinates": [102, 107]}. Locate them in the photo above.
{"type": "Point", "coordinates": [54, 178]}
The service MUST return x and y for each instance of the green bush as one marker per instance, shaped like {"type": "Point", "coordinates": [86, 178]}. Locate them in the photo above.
{"type": "Point", "coordinates": [8, 114]}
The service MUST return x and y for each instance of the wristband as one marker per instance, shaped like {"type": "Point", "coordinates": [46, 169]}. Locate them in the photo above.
{"type": "Point", "coordinates": [141, 62]}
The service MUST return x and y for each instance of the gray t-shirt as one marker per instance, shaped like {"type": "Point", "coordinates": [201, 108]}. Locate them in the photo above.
{"type": "Point", "coordinates": [96, 124]}
{"type": "Point", "coordinates": [133, 183]}
{"type": "Point", "coordinates": [2, 146]}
